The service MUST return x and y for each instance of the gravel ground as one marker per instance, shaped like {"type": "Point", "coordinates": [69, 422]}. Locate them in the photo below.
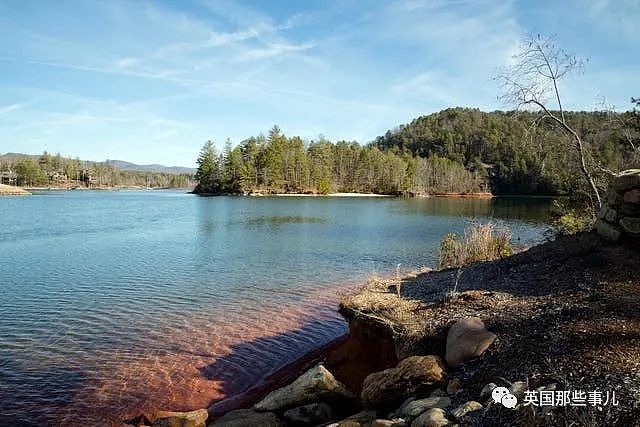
{"type": "Point", "coordinates": [567, 315]}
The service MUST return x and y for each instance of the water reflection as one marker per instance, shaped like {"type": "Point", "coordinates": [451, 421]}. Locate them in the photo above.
{"type": "Point", "coordinates": [530, 210]}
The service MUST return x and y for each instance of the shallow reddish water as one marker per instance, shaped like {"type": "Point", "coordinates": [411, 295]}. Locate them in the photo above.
{"type": "Point", "coordinates": [206, 361]}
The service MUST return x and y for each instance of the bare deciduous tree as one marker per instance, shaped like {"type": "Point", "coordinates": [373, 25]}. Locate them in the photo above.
{"type": "Point", "coordinates": [532, 82]}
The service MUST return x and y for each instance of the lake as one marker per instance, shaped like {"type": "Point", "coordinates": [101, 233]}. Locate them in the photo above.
{"type": "Point", "coordinates": [112, 303]}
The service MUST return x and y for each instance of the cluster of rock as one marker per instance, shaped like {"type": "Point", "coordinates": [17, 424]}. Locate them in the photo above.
{"type": "Point", "coordinates": [620, 213]}
{"type": "Point", "coordinates": [410, 394]}
{"type": "Point", "coordinates": [416, 392]}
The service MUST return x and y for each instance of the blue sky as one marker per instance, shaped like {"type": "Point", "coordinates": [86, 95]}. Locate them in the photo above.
{"type": "Point", "coordinates": [149, 82]}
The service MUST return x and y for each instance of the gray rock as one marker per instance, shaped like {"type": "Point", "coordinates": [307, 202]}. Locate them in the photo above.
{"type": "Point", "coordinates": [632, 196]}
{"type": "Point", "coordinates": [317, 384]}
{"type": "Point", "coordinates": [614, 199]}
{"type": "Point", "coordinates": [630, 225]}
{"type": "Point", "coordinates": [438, 393]}
{"type": "Point", "coordinates": [432, 418]}
{"type": "Point", "coordinates": [608, 231]}
{"type": "Point", "coordinates": [461, 411]}
{"type": "Point", "coordinates": [608, 214]}
{"type": "Point", "coordinates": [247, 417]}
{"type": "Point", "coordinates": [487, 389]}
{"type": "Point", "coordinates": [413, 408]}
{"type": "Point", "coordinates": [467, 339]}
{"type": "Point", "coordinates": [627, 180]}
{"type": "Point", "coordinates": [311, 414]}
{"type": "Point", "coordinates": [454, 386]}
{"type": "Point", "coordinates": [180, 419]}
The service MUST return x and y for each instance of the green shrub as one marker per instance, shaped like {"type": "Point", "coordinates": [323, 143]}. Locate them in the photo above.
{"type": "Point", "coordinates": [480, 242]}
{"type": "Point", "coordinates": [324, 186]}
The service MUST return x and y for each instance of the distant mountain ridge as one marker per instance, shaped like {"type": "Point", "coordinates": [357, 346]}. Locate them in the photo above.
{"type": "Point", "coordinates": [123, 165]}
{"type": "Point", "coordinates": [117, 164]}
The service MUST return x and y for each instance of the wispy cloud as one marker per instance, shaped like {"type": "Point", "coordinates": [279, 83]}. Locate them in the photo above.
{"type": "Point", "coordinates": [154, 79]}
{"type": "Point", "coordinates": [13, 107]}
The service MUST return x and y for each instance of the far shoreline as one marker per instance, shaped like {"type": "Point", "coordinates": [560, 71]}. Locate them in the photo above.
{"type": "Point", "coordinates": [479, 195]}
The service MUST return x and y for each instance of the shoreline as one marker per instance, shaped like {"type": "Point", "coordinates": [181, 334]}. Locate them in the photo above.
{"type": "Point", "coordinates": [480, 195]}
{"type": "Point", "coordinates": [325, 195]}
{"type": "Point", "coordinates": [188, 190]}
{"type": "Point", "coordinates": [101, 188]}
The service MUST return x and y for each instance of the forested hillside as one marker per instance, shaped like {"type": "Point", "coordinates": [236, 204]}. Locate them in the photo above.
{"type": "Point", "coordinates": [458, 150]}
{"type": "Point", "coordinates": [521, 155]}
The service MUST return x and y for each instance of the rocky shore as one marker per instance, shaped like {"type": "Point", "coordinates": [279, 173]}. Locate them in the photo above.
{"type": "Point", "coordinates": [549, 336]}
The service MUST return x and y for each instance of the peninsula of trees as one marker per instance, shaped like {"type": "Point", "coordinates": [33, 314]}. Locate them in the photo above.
{"type": "Point", "coordinates": [57, 171]}
{"type": "Point", "coordinates": [458, 150]}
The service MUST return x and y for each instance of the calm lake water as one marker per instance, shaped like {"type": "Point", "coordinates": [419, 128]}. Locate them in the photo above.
{"type": "Point", "coordinates": [112, 303]}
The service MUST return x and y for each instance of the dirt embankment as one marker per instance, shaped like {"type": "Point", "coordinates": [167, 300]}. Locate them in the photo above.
{"type": "Point", "coordinates": [565, 312]}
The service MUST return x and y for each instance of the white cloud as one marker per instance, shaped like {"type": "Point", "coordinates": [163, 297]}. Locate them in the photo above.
{"type": "Point", "coordinates": [12, 107]}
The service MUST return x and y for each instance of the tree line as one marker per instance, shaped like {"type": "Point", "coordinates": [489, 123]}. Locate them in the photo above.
{"type": "Point", "coordinates": [457, 150]}
{"type": "Point", "coordinates": [280, 164]}
{"type": "Point", "coordinates": [58, 171]}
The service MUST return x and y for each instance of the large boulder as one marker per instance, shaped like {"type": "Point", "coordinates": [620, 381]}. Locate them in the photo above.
{"type": "Point", "coordinates": [317, 384]}
{"type": "Point", "coordinates": [415, 374]}
{"type": "Point", "coordinates": [180, 419]}
{"type": "Point", "coordinates": [467, 339]}
{"type": "Point", "coordinates": [309, 415]}
{"type": "Point", "coordinates": [247, 417]}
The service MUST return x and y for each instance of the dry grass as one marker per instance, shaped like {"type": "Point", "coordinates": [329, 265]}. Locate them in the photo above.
{"type": "Point", "coordinates": [379, 301]}
{"type": "Point", "coordinates": [480, 242]}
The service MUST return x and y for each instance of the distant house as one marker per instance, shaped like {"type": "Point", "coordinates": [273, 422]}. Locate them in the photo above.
{"type": "Point", "coordinates": [87, 177]}
{"type": "Point", "coordinates": [8, 177]}
{"type": "Point", "coordinates": [57, 177]}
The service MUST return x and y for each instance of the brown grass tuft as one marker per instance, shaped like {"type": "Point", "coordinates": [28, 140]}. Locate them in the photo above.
{"type": "Point", "coordinates": [480, 242]}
